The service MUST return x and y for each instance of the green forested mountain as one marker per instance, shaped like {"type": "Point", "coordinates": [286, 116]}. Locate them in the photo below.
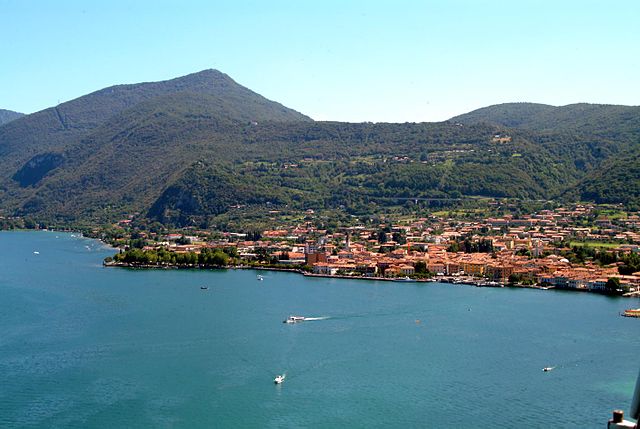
{"type": "Point", "coordinates": [612, 134]}
{"type": "Point", "coordinates": [193, 148]}
{"type": "Point", "coordinates": [587, 119]}
{"type": "Point", "coordinates": [8, 116]}
{"type": "Point", "coordinates": [65, 125]}
{"type": "Point", "coordinates": [616, 181]}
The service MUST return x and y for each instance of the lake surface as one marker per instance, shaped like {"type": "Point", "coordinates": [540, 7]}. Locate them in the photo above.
{"type": "Point", "coordinates": [84, 346]}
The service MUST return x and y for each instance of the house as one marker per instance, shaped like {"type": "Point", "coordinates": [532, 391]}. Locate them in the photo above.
{"type": "Point", "coordinates": [407, 270]}
{"type": "Point", "coordinates": [325, 268]}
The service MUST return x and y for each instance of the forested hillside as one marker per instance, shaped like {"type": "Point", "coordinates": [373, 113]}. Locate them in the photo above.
{"type": "Point", "coordinates": [65, 125]}
{"type": "Point", "coordinates": [188, 150]}
{"type": "Point", "coordinates": [611, 132]}
{"type": "Point", "coordinates": [616, 181]}
{"type": "Point", "coordinates": [8, 116]}
{"type": "Point", "coordinates": [602, 120]}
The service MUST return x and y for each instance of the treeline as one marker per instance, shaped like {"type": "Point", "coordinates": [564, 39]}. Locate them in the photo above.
{"type": "Point", "coordinates": [207, 257]}
{"type": "Point", "coordinates": [468, 246]}
{"type": "Point", "coordinates": [629, 263]}
{"type": "Point", "coordinates": [209, 159]}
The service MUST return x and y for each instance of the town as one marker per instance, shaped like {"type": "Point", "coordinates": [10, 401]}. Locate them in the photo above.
{"type": "Point", "coordinates": [555, 248]}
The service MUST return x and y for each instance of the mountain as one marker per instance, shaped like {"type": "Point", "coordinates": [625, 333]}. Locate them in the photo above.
{"type": "Point", "coordinates": [62, 126]}
{"type": "Point", "coordinates": [512, 115]}
{"type": "Point", "coordinates": [611, 134]}
{"type": "Point", "coordinates": [68, 144]}
{"type": "Point", "coordinates": [191, 150]}
{"type": "Point", "coordinates": [8, 116]}
{"type": "Point", "coordinates": [588, 118]}
{"type": "Point", "coordinates": [617, 181]}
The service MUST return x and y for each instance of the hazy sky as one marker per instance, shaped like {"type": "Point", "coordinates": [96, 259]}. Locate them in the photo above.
{"type": "Point", "coordinates": [393, 61]}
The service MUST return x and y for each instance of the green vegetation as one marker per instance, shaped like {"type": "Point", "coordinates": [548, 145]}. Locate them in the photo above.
{"type": "Point", "coordinates": [631, 264]}
{"type": "Point", "coordinates": [207, 258]}
{"type": "Point", "coordinates": [597, 120]}
{"type": "Point", "coordinates": [615, 182]}
{"type": "Point", "coordinates": [8, 116]}
{"type": "Point", "coordinates": [594, 244]}
{"type": "Point", "coordinates": [206, 152]}
{"type": "Point", "coordinates": [613, 286]}
{"type": "Point", "coordinates": [468, 246]}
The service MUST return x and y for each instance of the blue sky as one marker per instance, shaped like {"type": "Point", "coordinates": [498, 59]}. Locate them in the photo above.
{"type": "Point", "coordinates": [379, 61]}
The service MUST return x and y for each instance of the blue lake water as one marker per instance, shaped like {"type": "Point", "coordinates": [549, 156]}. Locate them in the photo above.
{"type": "Point", "coordinates": [84, 346]}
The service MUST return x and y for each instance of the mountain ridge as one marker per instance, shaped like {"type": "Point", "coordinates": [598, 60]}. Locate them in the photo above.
{"type": "Point", "coordinates": [66, 124]}
{"type": "Point", "coordinates": [8, 116]}
{"type": "Point", "coordinates": [187, 150]}
{"type": "Point", "coordinates": [544, 117]}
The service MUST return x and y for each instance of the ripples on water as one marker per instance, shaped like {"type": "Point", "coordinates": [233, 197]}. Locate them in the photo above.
{"type": "Point", "coordinates": [85, 346]}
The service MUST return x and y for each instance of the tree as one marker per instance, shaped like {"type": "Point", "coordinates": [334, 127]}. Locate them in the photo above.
{"type": "Point", "coordinates": [220, 258]}
{"type": "Point", "coordinates": [515, 278]}
{"type": "Point", "coordinates": [631, 264]}
{"type": "Point", "coordinates": [232, 251]}
{"type": "Point", "coordinates": [613, 285]}
{"type": "Point", "coordinates": [183, 240]}
{"type": "Point", "coordinates": [399, 238]}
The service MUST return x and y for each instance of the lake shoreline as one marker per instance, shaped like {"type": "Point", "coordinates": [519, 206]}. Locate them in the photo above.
{"type": "Point", "coordinates": [443, 279]}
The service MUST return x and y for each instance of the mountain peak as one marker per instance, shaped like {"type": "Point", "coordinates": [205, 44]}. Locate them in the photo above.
{"type": "Point", "coordinates": [8, 116]}
{"type": "Point", "coordinates": [208, 77]}
{"type": "Point", "coordinates": [208, 92]}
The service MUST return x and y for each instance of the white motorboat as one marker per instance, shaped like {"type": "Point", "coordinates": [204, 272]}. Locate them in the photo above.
{"type": "Point", "coordinates": [548, 368]}
{"type": "Point", "coordinates": [260, 278]}
{"type": "Point", "coordinates": [279, 379]}
{"type": "Point", "coordinates": [294, 319]}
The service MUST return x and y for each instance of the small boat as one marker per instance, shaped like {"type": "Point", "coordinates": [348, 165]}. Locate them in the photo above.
{"type": "Point", "coordinates": [279, 379]}
{"type": "Point", "coordinates": [548, 368]}
{"type": "Point", "coordinates": [204, 287]}
{"type": "Point", "coordinates": [403, 279]}
{"type": "Point", "coordinates": [632, 312]}
{"type": "Point", "coordinates": [294, 319]}
{"type": "Point", "coordinates": [260, 278]}
{"type": "Point", "coordinates": [36, 252]}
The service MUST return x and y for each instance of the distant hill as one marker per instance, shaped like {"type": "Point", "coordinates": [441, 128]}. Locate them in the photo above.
{"type": "Point", "coordinates": [512, 115]}
{"type": "Point", "coordinates": [62, 126]}
{"type": "Point", "coordinates": [8, 116]}
{"type": "Point", "coordinates": [190, 150]}
{"type": "Point", "coordinates": [585, 118]}
{"type": "Point", "coordinates": [616, 181]}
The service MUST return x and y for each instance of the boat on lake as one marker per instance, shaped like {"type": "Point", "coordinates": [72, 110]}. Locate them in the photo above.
{"type": "Point", "coordinates": [548, 368]}
{"type": "Point", "coordinates": [279, 379]}
{"type": "Point", "coordinates": [204, 287]}
{"type": "Point", "coordinates": [294, 319]}
{"type": "Point", "coordinates": [632, 312]}
{"type": "Point", "coordinates": [260, 278]}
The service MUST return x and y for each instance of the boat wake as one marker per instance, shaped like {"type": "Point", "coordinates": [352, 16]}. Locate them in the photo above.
{"type": "Point", "coordinates": [298, 319]}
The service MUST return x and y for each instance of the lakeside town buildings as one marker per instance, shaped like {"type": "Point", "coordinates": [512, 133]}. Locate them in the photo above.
{"type": "Point", "coordinates": [525, 248]}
